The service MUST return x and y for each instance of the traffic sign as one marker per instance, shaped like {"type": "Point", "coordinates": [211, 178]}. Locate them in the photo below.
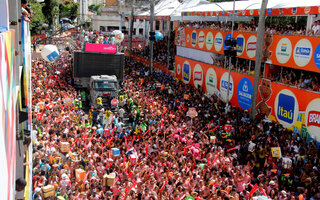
{"type": "Point", "coordinates": [114, 102]}
{"type": "Point", "coordinates": [192, 112]}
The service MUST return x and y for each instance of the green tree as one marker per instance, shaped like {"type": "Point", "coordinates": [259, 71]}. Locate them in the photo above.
{"type": "Point", "coordinates": [95, 8]}
{"type": "Point", "coordinates": [38, 19]}
{"type": "Point", "coordinates": [51, 10]}
{"type": "Point", "coordinates": [69, 10]}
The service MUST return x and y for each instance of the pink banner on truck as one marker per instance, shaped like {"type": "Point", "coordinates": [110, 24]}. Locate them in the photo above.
{"type": "Point", "coordinates": [101, 48]}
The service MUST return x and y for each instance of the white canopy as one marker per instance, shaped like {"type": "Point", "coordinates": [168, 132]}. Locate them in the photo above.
{"type": "Point", "coordinates": [163, 8]}
{"type": "Point", "coordinates": [251, 4]}
{"type": "Point", "coordinates": [176, 15]}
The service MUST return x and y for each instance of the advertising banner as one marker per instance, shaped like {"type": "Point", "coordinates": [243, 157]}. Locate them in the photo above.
{"type": "Point", "coordinates": [100, 48]}
{"type": "Point", "coordinates": [298, 52]}
{"type": "Point", "coordinates": [292, 107]}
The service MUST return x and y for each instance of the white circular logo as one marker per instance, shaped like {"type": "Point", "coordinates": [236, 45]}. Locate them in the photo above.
{"type": "Point", "coordinates": [286, 108]}
{"type": "Point", "coordinates": [302, 52]}
{"type": "Point", "coordinates": [178, 69]}
{"type": "Point", "coordinates": [211, 81]}
{"type": "Point", "coordinates": [224, 86]}
{"type": "Point", "coordinates": [201, 39]}
{"type": "Point", "coordinates": [283, 50]}
{"type": "Point", "coordinates": [241, 43]}
{"type": "Point", "coordinates": [209, 40]}
{"type": "Point", "coordinates": [312, 118]}
{"type": "Point", "coordinates": [252, 46]}
{"type": "Point", "coordinates": [218, 41]}
{"type": "Point", "coordinates": [307, 10]}
{"type": "Point", "coordinates": [197, 75]}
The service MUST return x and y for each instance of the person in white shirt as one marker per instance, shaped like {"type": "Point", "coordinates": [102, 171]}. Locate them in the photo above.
{"type": "Point", "coordinates": [251, 147]}
{"type": "Point", "coordinates": [287, 162]}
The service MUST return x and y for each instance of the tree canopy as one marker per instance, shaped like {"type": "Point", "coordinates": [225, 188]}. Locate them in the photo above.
{"type": "Point", "coordinates": [38, 19]}
{"type": "Point", "coordinates": [96, 8]}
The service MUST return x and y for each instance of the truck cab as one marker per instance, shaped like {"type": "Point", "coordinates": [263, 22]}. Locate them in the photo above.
{"type": "Point", "coordinates": [103, 86]}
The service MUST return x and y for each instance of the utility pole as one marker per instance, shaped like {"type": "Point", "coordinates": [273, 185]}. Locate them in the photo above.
{"type": "Point", "coordinates": [151, 31]}
{"type": "Point", "coordinates": [168, 45]}
{"type": "Point", "coordinates": [120, 12]}
{"type": "Point", "coordinates": [131, 29]}
{"type": "Point", "coordinates": [257, 68]}
{"type": "Point", "coordinates": [227, 100]}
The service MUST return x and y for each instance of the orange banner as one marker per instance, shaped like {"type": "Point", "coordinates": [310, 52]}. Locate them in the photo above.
{"type": "Point", "coordinates": [299, 52]}
{"type": "Point", "coordinates": [292, 107]}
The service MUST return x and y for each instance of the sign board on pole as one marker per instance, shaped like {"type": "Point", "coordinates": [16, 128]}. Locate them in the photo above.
{"type": "Point", "coordinates": [192, 112]}
{"type": "Point", "coordinates": [114, 102]}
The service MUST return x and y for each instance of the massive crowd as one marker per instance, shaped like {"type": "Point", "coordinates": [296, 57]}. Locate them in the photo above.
{"type": "Point", "coordinates": [281, 29]}
{"type": "Point", "coordinates": [163, 153]}
{"type": "Point", "coordinates": [160, 51]}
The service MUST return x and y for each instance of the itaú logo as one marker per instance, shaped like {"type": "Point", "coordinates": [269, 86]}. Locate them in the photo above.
{"type": "Point", "coordinates": [286, 107]}
{"type": "Point", "coordinates": [314, 118]}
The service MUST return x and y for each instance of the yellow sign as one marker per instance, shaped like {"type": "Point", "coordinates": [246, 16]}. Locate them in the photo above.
{"type": "Point", "coordinates": [276, 152]}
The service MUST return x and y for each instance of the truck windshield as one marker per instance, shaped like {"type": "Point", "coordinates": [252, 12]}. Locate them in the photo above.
{"type": "Point", "coordinates": [104, 85]}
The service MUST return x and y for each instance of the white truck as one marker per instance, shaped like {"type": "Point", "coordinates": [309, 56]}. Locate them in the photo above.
{"type": "Point", "coordinates": [99, 74]}
{"type": "Point", "coordinates": [103, 86]}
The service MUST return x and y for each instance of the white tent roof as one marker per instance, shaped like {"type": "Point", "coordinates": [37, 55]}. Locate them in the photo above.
{"type": "Point", "coordinates": [173, 8]}
{"type": "Point", "coordinates": [176, 15]}
{"type": "Point", "coordinates": [163, 8]}
{"type": "Point", "coordinates": [251, 4]}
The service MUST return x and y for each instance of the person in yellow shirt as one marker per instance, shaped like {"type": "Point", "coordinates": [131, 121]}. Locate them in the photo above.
{"type": "Point", "coordinates": [108, 118]}
{"type": "Point", "coordinates": [99, 101]}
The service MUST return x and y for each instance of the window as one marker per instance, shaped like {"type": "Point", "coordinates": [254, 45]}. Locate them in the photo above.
{"type": "Point", "coordinates": [140, 31]}
{"type": "Point", "coordinates": [157, 25]}
{"type": "Point", "coordinates": [102, 28]}
{"type": "Point", "coordinates": [164, 26]}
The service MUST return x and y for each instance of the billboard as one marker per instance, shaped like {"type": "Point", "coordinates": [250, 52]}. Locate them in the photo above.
{"type": "Point", "coordinates": [300, 52]}
{"type": "Point", "coordinates": [88, 64]}
{"type": "Point", "coordinates": [292, 107]}
{"type": "Point", "coordinates": [100, 48]}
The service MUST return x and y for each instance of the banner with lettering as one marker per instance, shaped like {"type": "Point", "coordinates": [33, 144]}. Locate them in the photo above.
{"type": "Point", "coordinates": [292, 107]}
{"type": "Point", "coordinates": [301, 52]}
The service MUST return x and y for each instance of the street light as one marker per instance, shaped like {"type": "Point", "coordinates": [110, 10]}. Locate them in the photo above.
{"type": "Point", "coordinates": [232, 28]}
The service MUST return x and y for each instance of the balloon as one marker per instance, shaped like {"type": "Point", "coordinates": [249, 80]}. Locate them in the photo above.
{"type": "Point", "coordinates": [158, 35]}
{"type": "Point", "coordinates": [50, 53]}
{"type": "Point", "coordinates": [118, 36]}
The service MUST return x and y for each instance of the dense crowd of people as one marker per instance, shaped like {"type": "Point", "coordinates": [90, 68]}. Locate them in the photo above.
{"type": "Point", "coordinates": [163, 153]}
{"type": "Point", "coordinates": [281, 29]}
{"type": "Point", "coordinates": [160, 51]}
{"type": "Point", "coordinates": [296, 78]}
